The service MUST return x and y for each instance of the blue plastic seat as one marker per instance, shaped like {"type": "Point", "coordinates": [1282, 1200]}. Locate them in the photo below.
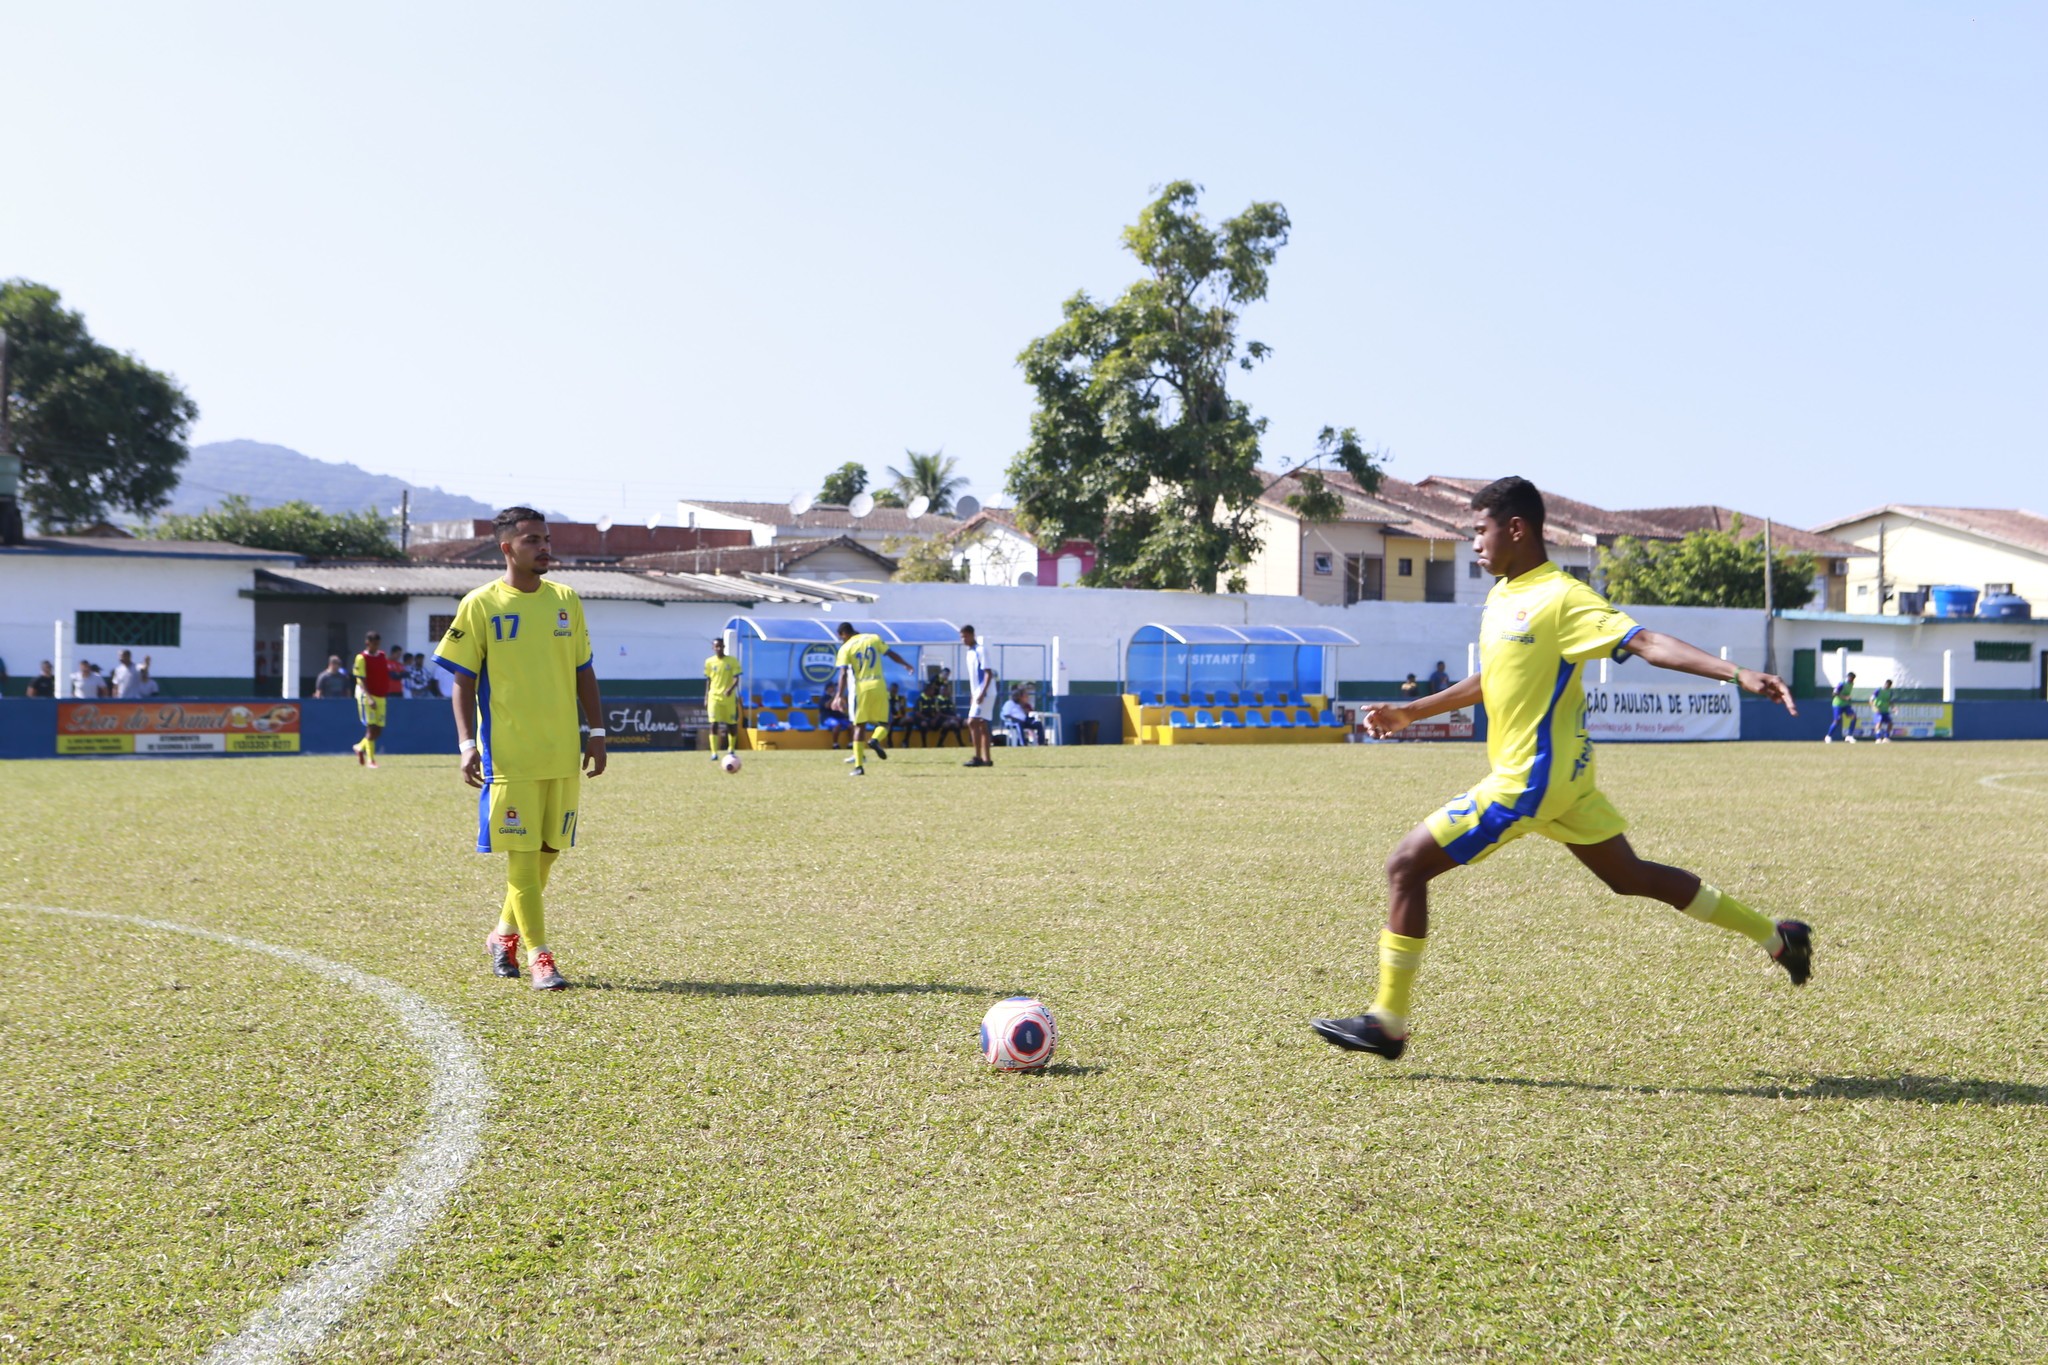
{"type": "Point", "coordinates": [768, 720]}
{"type": "Point", "coordinates": [1254, 720]}
{"type": "Point", "coordinates": [1149, 699]}
{"type": "Point", "coordinates": [799, 721]}
{"type": "Point", "coordinates": [1256, 698]}
{"type": "Point", "coordinates": [1281, 699]}
{"type": "Point", "coordinates": [1178, 720]}
{"type": "Point", "coordinates": [1280, 719]}
{"type": "Point", "coordinates": [1205, 720]}
{"type": "Point", "coordinates": [1229, 720]}
{"type": "Point", "coordinates": [1330, 719]}
{"type": "Point", "coordinates": [1302, 717]}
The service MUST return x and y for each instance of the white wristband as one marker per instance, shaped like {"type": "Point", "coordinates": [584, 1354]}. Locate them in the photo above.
{"type": "Point", "coordinates": [468, 746]}
{"type": "Point", "coordinates": [596, 733]}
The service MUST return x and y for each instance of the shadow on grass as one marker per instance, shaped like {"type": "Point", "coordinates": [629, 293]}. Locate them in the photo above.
{"type": "Point", "coordinates": [1065, 1069]}
{"type": "Point", "coordinates": [1909, 1088]}
{"type": "Point", "coordinates": [785, 987]}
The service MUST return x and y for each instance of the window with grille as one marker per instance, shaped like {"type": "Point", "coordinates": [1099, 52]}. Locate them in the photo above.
{"type": "Point", "coordinates": [128, 629]}
{"type": "Point", "coordinates": [1830, 646]}
{"type": "Point", "coordinates": [2004, 651]}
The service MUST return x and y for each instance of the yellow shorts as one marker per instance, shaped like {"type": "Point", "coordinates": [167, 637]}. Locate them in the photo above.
{"type": "Point", "coordinates": [1471, 826]}
{"type": "Point", "coordinates": [526, 817]}
{"type": "Point", "coordinates": [370, 708]}
{"type": "Point", "coordinates": [724, 710]}
{"type": "Point", "coordinates": [870, 706]}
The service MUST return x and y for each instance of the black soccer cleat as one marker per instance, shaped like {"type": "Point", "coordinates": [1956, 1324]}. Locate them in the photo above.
{"type": "Point", "coordinates": [504, 950]}
{"type": "Point", "coordinates": [1796, 956]}
{"type": "Point", "coordinates": [1361, 1033]}
{"type": "Point", "coordinates": [875, 747]}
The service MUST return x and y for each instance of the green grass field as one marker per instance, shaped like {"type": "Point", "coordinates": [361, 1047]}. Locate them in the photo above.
{"type": "Point", "coordinates": [759, 1130]}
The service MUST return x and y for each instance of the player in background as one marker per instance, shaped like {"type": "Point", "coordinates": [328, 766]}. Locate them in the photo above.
{"type": "Point", "coordinates": [519, 653]}
{"type": "Point", "coordinates": [1540, 626]}
{"type": "Point", "coordinates": [372, 669]}
{"type": "Point", "coordinates": [981, 699]}
{"type": "Point", "coordinates": [1844, 720]}
{"type": "Point", "coordinates": [1881, 703]}
{"type": "Point", "coordinates": [864, 691]}
{"type": "Point", "coordinates": [722, 697]}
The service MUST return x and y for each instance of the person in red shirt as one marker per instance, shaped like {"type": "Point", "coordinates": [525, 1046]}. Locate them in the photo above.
{"type": "Point", "coordinates": [374, 682]}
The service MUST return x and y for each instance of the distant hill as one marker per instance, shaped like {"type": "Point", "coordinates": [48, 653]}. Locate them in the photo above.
{"type": "Point", "coordinates": [268, 475]}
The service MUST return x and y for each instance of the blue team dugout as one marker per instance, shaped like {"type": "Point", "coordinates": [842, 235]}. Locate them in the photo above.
{"type": "Point", "coordinates": [787, 663]}
{"type": "Point", "coordinates": [1232, 685]}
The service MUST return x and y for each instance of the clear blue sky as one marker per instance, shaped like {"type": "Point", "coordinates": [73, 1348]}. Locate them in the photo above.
{"type": "Point", "coordinates": [1784, 257]}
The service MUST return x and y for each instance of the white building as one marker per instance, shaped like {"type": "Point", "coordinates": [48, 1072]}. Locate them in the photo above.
{"type": "Point", "coordinates": [1915, 549]}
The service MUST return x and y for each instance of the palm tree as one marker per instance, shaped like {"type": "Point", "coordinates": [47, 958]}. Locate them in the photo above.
{"type": "Point", "coordinates": [930, 476]}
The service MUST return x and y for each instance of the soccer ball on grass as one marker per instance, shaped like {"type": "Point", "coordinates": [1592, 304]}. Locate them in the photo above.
{"type": "Point", "coordinates": [1018, 1034]}
{"type": "Point", "coordinates": [731, 763]}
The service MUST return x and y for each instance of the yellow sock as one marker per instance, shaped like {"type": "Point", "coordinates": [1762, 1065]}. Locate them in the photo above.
{"type": "Point", "coordinates": [547, 865]}
{"type": "Point", "coordinates": [1400, 960]}
{"type": "Point", "coordinates": [1723, 911]}
{"type": "Point", "coordinates": [369, 748]}
{"type": "Point", "coordinates": [860, 751]}
{"type": "Point", "coordinates": [524, 878]}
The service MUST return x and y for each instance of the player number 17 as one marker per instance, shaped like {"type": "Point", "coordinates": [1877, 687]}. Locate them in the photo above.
{"type": "Point", "coordinates": [505, 627]}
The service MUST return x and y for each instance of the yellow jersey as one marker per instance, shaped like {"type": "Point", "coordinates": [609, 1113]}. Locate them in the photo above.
{"type": "Point", "coordinates": [1536, 631]}
{"type": "Point", "coordinates": [862, 655]}
{"type": "Point", "coordinates": [525, 650]}
{"type": "Point", "coordinates": [721, 672]}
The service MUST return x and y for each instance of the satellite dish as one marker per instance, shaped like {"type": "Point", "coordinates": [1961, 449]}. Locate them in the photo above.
{"type": "Point", "coordinates": [862, 504]}
{"type": "Point", "coordinates": [654, 521]}
{"type": "Point", "coordinates": [604, 523]}
{"type": "Point", "coordinates": [919, 505]}
{"type": "Point", "coordinates": [800, 504]}
{"type": "Point", "coordinates": [966, 506]}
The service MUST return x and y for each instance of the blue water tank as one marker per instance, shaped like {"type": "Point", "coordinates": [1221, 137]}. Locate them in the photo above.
{"type": "Point", "coordinates": [2005, 607]}
{"type": "Point", "coordinates": [1953, 600]}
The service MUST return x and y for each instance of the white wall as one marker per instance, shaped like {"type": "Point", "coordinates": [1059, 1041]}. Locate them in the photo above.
{"type": "Point", "coordinates": [1908, 651]}
{"type": "Point", "coordinates": [217, 626]}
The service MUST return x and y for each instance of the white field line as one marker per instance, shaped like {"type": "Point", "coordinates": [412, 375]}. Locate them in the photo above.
{"type": "Point", "coordinates": [1997, 782]}
{"type": "Point", "coordinates": [457, 1097]}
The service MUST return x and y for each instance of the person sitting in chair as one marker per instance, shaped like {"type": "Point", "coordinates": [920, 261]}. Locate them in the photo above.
{"type": "Point", "coordinates": [1017, 718]}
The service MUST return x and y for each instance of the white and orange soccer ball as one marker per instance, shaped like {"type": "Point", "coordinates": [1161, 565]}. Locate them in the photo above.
{"type": "Point", "coordinates": [1018, 1034]}
{"type": "Point", "coordinates": [731, 763]}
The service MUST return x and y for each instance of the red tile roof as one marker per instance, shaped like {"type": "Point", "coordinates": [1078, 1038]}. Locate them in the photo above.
{"type": "Point", "coordinates": [2021, 529]}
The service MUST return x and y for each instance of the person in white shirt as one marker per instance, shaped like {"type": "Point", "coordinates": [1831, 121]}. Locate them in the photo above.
{"type": "Point", "coordinates": [128, 679]}
{"type": "Point", "coordinates": [1017, 712]}
{"type": "Point", "coordinates": [981, 698]}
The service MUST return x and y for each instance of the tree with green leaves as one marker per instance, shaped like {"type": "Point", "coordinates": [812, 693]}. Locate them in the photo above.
{"type": "Point", "coordinates": [929, 559]}
{"type": "Point", "coordinates": [294, 527]}
{"type": "Point", "coordinates": [1137, 444]}
{"type": "Point", "coordinates": [844, 483]}
{"type": "Point", "coordinates": [1705, 569]}
{"type": "Point", "coordinates": [928, 476]}
{"type": "Point", "coordinates": [97, 431]}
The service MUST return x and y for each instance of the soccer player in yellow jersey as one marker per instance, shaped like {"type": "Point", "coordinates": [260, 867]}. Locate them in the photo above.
{"type": "Point", "coordinates": [722, 696]}
{"type": "Point", "coordinates": [860, 675]}
{"type": "Point", "coordinates": [1540, 627]}
{"type": "Point", "coordinates": [520, 656]}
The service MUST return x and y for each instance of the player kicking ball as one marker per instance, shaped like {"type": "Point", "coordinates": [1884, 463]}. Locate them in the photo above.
{"type": "Point", "coordinates": [520, 656]}
{"type": "Point", "coordinates": [1540, 626]}
{"type": "Point", "coordinates": [864, 691]}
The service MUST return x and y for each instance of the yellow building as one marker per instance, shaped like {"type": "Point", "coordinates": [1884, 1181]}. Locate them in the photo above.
{"type": "Point", "coordinates": [1910, 549]}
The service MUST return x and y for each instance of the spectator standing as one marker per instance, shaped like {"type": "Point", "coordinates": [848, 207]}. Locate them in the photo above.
{"type": "Point", "coordinates": [1438, 680]}
{"type": "Point", "coordinates": [84, 685]}
{"type": "Point", "coordinates": [44, 684]}
{"type": "Point", "coordinates": [128, 679]}
{"type": "Point", "coordinates": [334, 683]}
{"type": "Point", "coordinates": [1410, 688]}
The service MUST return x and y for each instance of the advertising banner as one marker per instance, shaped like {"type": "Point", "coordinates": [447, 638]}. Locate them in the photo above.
{"type": "Point", "coordinates": [651, 725]}
{"type": "Point", "coordinates": [1457, 725]}
{"type": "Point", "coordinates": [1663, 711]}
{"type": "Point", "coordinates": [174, 727]}
{"type": "Point", "coordinates": [1910, 720]}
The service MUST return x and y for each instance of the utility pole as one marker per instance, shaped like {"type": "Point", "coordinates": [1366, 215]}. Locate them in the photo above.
{"type": "Point", "coordinates": [1770, 604]}
{"type": "Point", "coordinates": [10, 464]}
{"type": "Point", "coordinates": [405, 521]}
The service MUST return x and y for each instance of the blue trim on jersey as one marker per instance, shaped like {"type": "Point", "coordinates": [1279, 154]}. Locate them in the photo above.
{"type": "Point", "coordinates": [1495, 820]}
{"type": "Point", "coordinates": [483, 819]}
{"type": "Point", "coordinates": [1622, 651]}
{"type": "Point", "coordinates": [453, 667]}
{"type": "Point", "coordinates": [483, 711]}
{"type": "Point", "coordinates": [585, 664]}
